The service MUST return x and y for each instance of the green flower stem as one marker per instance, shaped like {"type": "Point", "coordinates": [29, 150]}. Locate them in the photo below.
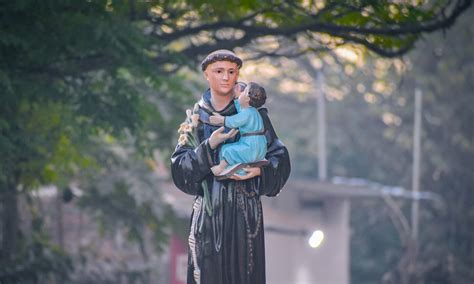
{"type": "Point", "coordinates": [193, 141]}
{"type": "Point", "coordinates": [207, 200]}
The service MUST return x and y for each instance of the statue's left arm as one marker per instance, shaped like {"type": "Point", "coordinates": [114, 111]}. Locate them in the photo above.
{"type": "Point", "coordinates": [276, 173]}
{"type": "Point", "coordinates": [190, 166]}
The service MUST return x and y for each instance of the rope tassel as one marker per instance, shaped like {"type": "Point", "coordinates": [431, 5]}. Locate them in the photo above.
{"type": "Point", "coordinates": [192, 240]}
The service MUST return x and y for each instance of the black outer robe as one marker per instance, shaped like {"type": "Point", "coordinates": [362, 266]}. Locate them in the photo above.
{"type": "Point", "coordinates": [228, 246]}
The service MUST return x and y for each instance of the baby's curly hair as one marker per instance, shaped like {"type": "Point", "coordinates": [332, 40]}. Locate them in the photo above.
{"type": "Point", "coordinates": [257, 95]}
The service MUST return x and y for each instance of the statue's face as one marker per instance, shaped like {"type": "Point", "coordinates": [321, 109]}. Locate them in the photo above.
{"type": "Point", "coordinates": [222, 76]}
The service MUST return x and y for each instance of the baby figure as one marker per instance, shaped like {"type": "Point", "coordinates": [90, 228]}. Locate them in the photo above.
{"type": "Point", "coordinates": [251, 148]}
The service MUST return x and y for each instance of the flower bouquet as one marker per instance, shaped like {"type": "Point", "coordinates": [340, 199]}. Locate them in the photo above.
{"type": "Point", "coordinates": [188, 136]}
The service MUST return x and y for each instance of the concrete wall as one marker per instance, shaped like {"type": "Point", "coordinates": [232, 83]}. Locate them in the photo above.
{"type": "Point", "coordinates": [289, 258]}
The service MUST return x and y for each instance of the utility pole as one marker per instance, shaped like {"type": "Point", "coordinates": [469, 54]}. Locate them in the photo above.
{"type": "Point", "coordinates": [416, 165]}
{"type": "Point", "coordinates": [413, 248]}
{"type": "Point", "coordinates": [321, 117]}
{"type": "Point", "coordinates": [321, 107]}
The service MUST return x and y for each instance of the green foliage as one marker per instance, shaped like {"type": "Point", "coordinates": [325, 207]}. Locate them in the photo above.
{"type": "Point", "coordinates": [193, 28]}
{"type": "Point", "coordinates": [62, 78]}
{"type": "Point", "coordinates": [449, 153]}
{"type": "Point", "coordinates": [122, 209]}
{"type": "Point", "coordinates": [123, 197]}
{"type": "Point", "coordinates": [370, 111]}
{"type": "Point", "coordinates": [375, 245]}
{"type": "Point", "coordinates": [71, 73]}
{"type": "Point", "coordinates": [36, 260]}
{"type": "Point", "coordinates": [442, 69]}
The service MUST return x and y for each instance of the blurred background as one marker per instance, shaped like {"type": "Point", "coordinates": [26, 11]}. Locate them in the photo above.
{"type": "Point", "coordinates": [372, 98]}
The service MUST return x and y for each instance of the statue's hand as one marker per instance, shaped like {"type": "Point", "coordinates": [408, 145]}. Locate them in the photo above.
{"type": "Point", "coordinates": [250, 173]}
{"type": "Point", "coordinates": [216, 119]}
{"type": "Point", "coordinates": [218, 136]}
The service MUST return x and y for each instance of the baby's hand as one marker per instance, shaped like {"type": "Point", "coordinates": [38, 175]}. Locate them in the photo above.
{"type": "Point", "coordinates": [237, 91]}
{"type": "Point", "coordinates": [216, 119]}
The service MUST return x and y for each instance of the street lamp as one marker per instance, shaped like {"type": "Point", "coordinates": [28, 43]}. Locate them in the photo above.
{"type": "Point", "coordinates": [316, 239]}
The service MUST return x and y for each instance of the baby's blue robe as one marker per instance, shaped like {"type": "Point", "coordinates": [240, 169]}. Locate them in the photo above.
{"type": "Point", "coordinates": [249, 148]}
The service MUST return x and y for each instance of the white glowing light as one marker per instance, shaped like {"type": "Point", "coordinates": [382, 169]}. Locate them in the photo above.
{"type": "Point", "coordinates": [316, 239]}
{"type": "Point", "coordinates": [347, 53]}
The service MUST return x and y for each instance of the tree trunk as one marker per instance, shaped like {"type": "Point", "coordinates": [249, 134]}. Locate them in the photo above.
{"type": "Point", "coordinates": [59, 219]}
{"type": "Point", "coordinates": [9, 200]}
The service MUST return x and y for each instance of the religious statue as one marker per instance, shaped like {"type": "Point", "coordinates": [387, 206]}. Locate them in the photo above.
{"type": "Point", "coordinates": [226, 238]}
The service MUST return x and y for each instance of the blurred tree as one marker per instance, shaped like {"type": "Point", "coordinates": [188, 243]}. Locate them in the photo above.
{"type": "Point", "coordinates": [71, 72]}
{"type": "Point", "coordinates": [370, 128]}
{"type": "Point", "coordinates": [370, 135]}
{"type": "Point", "coordinates": [75, 72]}
{"type": "Point", "coordinates": [290, 28]}
{"type": "Point", "coordinates": [444, 71]}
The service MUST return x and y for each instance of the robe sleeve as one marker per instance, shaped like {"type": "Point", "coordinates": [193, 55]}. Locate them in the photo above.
{"type": "Point", "coordinates": [237, 120]}
{"type": "Point", "coordinates": [275, 174]}
{"type": "Point", "coordinates": [189, 167]}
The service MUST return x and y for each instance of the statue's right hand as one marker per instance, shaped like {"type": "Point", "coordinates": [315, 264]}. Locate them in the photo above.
{"type": "Point", "coordinates": [218, 136]}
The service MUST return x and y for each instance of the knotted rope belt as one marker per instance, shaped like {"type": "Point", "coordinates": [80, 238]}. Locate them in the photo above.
{"type": "Point", "coordinates": [252, 133]}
